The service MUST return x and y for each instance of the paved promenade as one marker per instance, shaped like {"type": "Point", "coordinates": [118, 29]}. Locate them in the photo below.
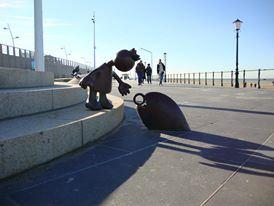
{"type": "Point", "coordinates": [227, 159]}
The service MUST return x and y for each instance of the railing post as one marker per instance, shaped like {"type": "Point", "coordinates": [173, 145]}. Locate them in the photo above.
{"type": "Point", "coordinates": [222, 83]}
{"type": "Point", "coordinates": [259, 79]}
{"type": "Point", "coordinates": [177, 80]}
{"type": "Point", "coordinates": [213, 83]}
{"type": "Point", "coordinates": [244, 84]}
{"type": "Point", "coordinates": [1, 56]}
{"type": "Point", "coordinates": [231, 78]}
{"type": "Point", "coordinates": [184, 78]}
{"type": "Point", "coordinates": [199, 78]}
{"type": "Point", "coordinates": [193, 78]}
{"type": "Point", "coordinates": [188, 78]}
{"type": "Point", "coordinates": [180, 78]}
{"type": "Point", "coordinates": [205, 78]}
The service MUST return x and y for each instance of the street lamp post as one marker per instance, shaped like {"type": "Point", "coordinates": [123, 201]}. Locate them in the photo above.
{"type": "Point", "coordinates": [11, 35]}
{"type": "Point", "coordinates": [66, 54]}
{"type": "Point", "coordinates": [94, 47]}
{"type": "Point", "coordinates": [165, 64]}
{"type": "Point", "coordinates": [237, 27]}
{"type": "Point", "coordinates": [85, 62]}
{"type": "Point", "coordinates": [151, 56]}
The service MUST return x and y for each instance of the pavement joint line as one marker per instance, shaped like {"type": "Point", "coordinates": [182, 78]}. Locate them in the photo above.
{"type": "Point", "coordinates": [86, 168]}
{"type": "Point", "coordinates": [234, 173]}
{"type": "Point", "coordinates": [114, 148]}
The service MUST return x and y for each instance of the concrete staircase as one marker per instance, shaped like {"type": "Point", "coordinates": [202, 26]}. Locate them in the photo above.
{"type": "Point", "coordinates": [41, 122]}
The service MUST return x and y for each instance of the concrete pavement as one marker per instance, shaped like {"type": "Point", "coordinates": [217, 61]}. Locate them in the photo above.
{"type": "Point", "coordinates": [227, 158]}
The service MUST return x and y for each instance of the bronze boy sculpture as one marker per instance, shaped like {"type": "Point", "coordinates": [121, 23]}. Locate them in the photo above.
{"type": "Point", "coordinates": [100, 79]}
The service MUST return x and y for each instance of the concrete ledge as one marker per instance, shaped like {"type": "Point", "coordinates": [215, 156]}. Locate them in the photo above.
{"type": "Point", "coordinates": [19, 102]}
{"type": "Point", "coordinates": [33, 140]}
{"type": "Point", "coordinates": [18, 78]}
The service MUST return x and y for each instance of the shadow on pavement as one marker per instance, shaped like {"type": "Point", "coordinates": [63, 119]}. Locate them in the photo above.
{"type": "Point", "coordinates": [91, 176]}
{"type": "Point", "coordinates": [227, 109]}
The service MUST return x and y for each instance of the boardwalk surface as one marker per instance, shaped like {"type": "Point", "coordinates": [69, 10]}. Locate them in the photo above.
{"type": "Point", "coordinates": [227, 158]}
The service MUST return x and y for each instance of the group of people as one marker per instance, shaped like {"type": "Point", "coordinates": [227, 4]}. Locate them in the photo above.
{"type": "Point", "coordinates": [144, 73]}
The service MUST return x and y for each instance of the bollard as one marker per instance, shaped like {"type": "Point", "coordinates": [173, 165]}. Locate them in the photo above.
{"type": "Point", "coordinates": [231, 78]}
{"type": "Point", "coordinates": [259, 79]}
{"type": "Point", "coordinates": [244, 84]}
{"type": "Point", "coordinates": [222, 83]}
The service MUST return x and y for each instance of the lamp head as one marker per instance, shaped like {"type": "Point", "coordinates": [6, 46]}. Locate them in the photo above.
{"type": "Point", "coordinates": [237, 24]}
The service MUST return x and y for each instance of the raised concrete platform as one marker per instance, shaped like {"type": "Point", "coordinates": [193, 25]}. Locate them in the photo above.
{"type": "Point", "coordinates": [33, 140]}
{"type": "Point", "coordinates": [18, 78]}
{"type": "Point", "coordinates": [25, 101]}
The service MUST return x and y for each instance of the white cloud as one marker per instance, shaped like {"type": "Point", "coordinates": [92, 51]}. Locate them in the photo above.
{"type": "Point", "coordinates": [11, 4]}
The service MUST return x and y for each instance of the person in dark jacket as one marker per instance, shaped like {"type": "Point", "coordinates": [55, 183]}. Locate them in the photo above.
{"type": "Point", "coordinates": [149, 73]}
{"type": "Point", "coordinates": [161, 68]}
{"type": "Point", "coordinates": [139, 70]}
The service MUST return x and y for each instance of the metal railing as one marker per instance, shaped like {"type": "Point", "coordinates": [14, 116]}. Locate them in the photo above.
{"type": "Point", "coordinates": [247, 78]}
{"type": "Point", "coordinates": [14, 57]}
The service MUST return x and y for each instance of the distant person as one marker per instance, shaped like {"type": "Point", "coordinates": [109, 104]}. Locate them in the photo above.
{"type": "Point", "coordinates": [148, 73]}
{"type": "Point", "coordinates": [161, 68]}
{"type": "Point", "coordinates": [75, 72]}
{"type": "Point", "coordinates": [139, 70]}
{"type": "Point", "coordinates": [144, 73]}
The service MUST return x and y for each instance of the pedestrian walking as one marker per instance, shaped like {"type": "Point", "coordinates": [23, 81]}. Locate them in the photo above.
{"type": "Point", "coordinates": [161, 68]}
{"type": "Point", "coordinates": [139, 70]}
{"type": "Point", "coordinates": [148, 73]}
{"type": "Point", "coordinates": [143, 74]}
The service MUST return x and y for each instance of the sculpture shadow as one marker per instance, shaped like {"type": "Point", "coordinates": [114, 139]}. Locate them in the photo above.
{"type": "Point", "coordinates": [92, 175]}
{"type": "Point", "coordinates": [227, 109]}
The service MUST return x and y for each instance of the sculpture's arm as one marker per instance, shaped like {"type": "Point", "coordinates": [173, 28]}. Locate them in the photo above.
{"type": "Point", "coordinates": [123, 87]}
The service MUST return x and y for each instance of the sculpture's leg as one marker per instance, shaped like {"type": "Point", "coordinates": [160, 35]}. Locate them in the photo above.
{"type": "Point", "coordinates": [92, 103]}
{"type": "Point", "coordinates": [104, 101]}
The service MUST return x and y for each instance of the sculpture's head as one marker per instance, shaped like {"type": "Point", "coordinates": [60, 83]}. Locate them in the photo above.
{"type": "Point", "coordinates": [126, 59]}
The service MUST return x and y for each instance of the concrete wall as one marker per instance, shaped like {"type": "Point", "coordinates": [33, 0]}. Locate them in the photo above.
{"type": "Point", "coordinates": [18, 78]}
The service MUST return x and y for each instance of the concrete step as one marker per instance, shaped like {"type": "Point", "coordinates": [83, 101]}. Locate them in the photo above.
{"type": "Point", "coordinates": [25, 101]}
{"type": "Point", "coordinates": [33, 140]}
{"type": "Point", "coordinates": [18, 78]}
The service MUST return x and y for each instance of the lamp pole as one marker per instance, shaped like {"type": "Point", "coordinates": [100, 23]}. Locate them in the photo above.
{"type": "Point", "coordinates": [64, 48]}
{"type": "Point", "coordinates": [38, 30]}
{"type": "Point", "coordinates": [11, 35]}
{"type": "Point", "coordinates": [94, 47]}
{"type": "Point", "coordinates": [165, 64]}
{"type": "Point", "coordinates": [85, 61]}
{"type": "Point", "coordinates": [151, 56]}
{"type": "Point", "coordinates": [237, 26]}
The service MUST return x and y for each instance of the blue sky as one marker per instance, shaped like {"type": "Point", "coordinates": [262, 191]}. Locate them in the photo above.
{"type": "Point", "coordinates": [197, 35]}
